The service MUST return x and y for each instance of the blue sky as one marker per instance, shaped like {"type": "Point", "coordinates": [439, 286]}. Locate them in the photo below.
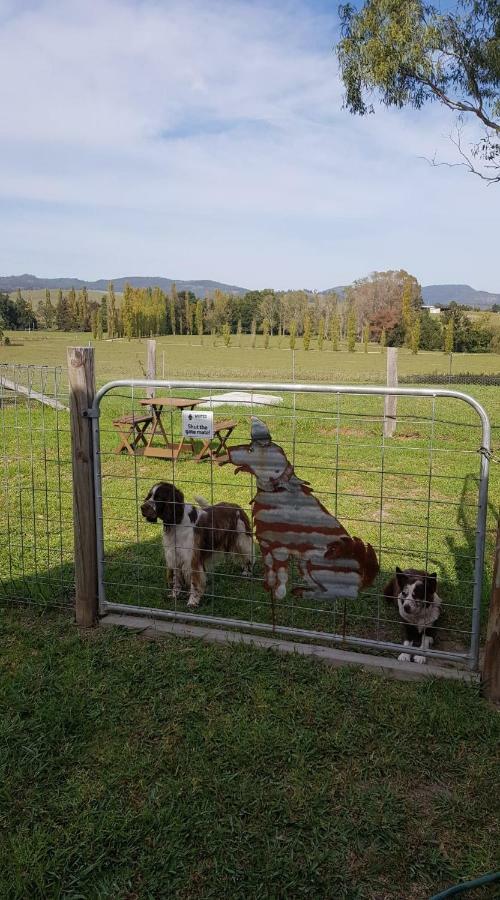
{"type": "Point", "coordinates": [200, 139]}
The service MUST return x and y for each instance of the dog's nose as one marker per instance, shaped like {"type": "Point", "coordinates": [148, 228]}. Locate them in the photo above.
{"type": "Point", "coordinates": [407, 607]}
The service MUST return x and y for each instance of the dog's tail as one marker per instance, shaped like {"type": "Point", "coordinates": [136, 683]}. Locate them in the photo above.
{"type": "Point", "coordinates": [202, 503]}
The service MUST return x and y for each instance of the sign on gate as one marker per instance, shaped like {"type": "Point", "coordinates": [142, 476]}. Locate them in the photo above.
{"type": "Point", "coordinates": [197, 424]}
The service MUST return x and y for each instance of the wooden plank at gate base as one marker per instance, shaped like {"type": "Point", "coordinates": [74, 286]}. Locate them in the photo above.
{"type": "Point", "coordinates": [81, 396]}
{"type": "Point", "coordinates": [491, 665]}
{"type": "Point", "coordinates": [153, 628]}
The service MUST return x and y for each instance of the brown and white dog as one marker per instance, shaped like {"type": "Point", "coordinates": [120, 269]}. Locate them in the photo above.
{"type": "Point", "coordinates": [291, 522]}
{"type": "Point", "coordinates": [194, 536]}
{"type": "Point", "coordinates": [415, 594]}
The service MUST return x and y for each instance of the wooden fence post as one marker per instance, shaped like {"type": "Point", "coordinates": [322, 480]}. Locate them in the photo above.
{"type": "Point", "coordinates": [151, 369]}
{"type": "Point", "coordinates": [491, 664]}
{"type": "Point", "coordinates": [391, 400]}
{"type": "Point", "coordinates": [81, 395]}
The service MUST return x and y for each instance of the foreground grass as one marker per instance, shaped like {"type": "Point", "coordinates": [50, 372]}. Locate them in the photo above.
{"type": "Point", "coordinates": [137, 769]}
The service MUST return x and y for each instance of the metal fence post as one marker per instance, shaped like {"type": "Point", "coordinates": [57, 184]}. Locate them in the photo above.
{"type": "Point", "coordinates": [491, 665]}
{"type": "Point", "coordinates": [81, 376]}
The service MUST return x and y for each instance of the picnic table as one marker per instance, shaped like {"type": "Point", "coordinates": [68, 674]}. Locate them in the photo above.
{"type": "Point", "coordinates": [167, 450]}
{"type": "Point", "coordinates": [138, 431]}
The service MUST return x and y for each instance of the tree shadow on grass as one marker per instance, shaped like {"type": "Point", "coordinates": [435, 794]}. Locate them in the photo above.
{"type": "Point", "coordinates": [458, 584]}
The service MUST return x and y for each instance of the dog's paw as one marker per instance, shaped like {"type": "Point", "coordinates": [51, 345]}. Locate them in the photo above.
{"type": "Point", "coordinates": [404, 657]}
{"type": "Point", "coordinates": [193, 603]}
{"type": "Point", "coordinates": [420, 659]}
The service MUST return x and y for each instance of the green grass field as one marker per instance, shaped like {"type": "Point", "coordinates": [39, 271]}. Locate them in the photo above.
{"type": "Point", "coordinates": [184, 357]}
{"type": "Point", "coordinates": [137, 769]}
{"type": "Point", "coordinates": [133, 769]}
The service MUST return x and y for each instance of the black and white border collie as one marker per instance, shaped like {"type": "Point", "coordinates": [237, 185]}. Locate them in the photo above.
{"type": "Point", "coordinates": [415, 594]}
{"type": "Point", "coordinates": [193, 536]}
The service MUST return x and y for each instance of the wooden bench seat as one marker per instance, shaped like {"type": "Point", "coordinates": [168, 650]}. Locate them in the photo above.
{"type": "Point", "coordinates": [132, 430]}
{"type": "Point", "coordinates": [218, 453]}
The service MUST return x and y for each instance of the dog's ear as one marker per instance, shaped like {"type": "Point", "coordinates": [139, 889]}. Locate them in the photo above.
{"type": "Point", "coordinates": [401, 578]}
{"type": "Point", "coordinates": [391, 590]}
{"type": "Point", "coordinates": [431, 584]}
{"type": "Point", "coordinates": [169, 504]}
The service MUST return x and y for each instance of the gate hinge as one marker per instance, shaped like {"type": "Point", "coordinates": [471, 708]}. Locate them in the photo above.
{"type": "Point", "coordinates": [91, 413]}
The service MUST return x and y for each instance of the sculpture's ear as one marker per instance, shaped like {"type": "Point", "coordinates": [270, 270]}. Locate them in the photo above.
{"type": "Point", "coordinates": [260, 431]}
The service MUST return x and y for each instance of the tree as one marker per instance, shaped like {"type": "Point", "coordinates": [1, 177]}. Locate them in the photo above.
{"type": "Point", "coordinates": [383, 340]}
{"type": "Point", "coordinates": [351, 330]}
{"type": "Point", "coordinates": [238, 332]}
{"type": "Point", "coordinates": [104, 312]}
{"type": "Point", "coordinates": [266, 326]}
{"type": "Point", "coordinates": [306, 339]}
{"type": "Point", "coordinates": [93, 323]}
{"type": "Point", "coordinates": [254, 332]}
{"type": "Point", "coordinates": [415, 335]}
{"type": "Point", "coordinates": [64, 321]}
{"type": "Point", "coordinates": [378, 299]}
{"type": "Point", "coordinates": [410, 53]}
{"type": "Point", "coordinates": [226, 333]}
{"type": "Point", "coordinates": [24, 315]}
{"type": "Point", "coordinates": [112, 319]}
{"type": "Point", "coordinates": [293, 334]}
{"type": "Point", "coordinates": [199, 319]}
{"type": "Point", "coordinates": [172, 303]}
{"type": "Point", "coordinates": [467, 336]}
{"type": "Point", "coordinates": [431, 333]}
{"type": "Point", "coordinates": [448, 337]}
{"type": "Point", "coordinates": [127, 312]}
{"type": "Point", "coordinates": [407, 317]}
{"type": "Point", "coordinates": [321, 333]}
{"type": "Point", "coordinates": [46, 310]}
{"type": "Point", "coordinates": [188, 313]}
{"type": "Point", "coordinates": [366, 336]}
{"type": "Point", "coordinates": [335, 331]}
{"type": "Point", "coordinates": [72, 310]}
{"type": "Point", "coordinates": [100, 324]}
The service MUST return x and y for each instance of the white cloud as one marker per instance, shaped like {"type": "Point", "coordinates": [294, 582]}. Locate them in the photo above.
{"type": "Point", "coordinates": [207, 140]}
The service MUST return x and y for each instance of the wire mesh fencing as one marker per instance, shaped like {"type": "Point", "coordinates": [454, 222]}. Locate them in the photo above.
{"type": "Point", "coordinates": [415, 497]}
{"type": "Point", "coordinates": [36, 547]}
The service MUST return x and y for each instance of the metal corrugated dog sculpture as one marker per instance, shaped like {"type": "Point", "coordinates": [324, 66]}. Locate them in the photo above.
{"type": "Point", "coordinates": [291, 523]}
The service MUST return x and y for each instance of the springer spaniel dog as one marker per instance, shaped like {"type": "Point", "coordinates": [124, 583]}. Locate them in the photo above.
{"type": "Point", "coordinates": [415, 594]}
{"type": "Point", "coordinates": [194, 535]}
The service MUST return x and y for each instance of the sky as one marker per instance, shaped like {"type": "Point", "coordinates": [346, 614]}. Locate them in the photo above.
{"type": "Point", "coordinates": [206, 139]}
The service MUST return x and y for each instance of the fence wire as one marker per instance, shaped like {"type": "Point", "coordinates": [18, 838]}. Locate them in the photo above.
{"type": "Point", "coordinates": [414, 497]}
{"type": "Point", "coordinates": [36, 546]}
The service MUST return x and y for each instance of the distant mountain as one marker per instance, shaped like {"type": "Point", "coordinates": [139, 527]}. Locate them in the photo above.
{"type": "Point", "coordinates": [443, 294]}
{"type": "Point", "coordinates": [433, 294]}
{"type": "Point", "coordinates": [201, 288]}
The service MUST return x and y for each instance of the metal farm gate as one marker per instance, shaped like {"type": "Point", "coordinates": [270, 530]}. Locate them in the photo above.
{"type": "Point", "coordinates": [418, 497]}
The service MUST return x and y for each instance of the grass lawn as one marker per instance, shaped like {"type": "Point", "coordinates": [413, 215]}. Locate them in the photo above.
{"type": "Point", "coordinates": [137, 769]}
{"type": "Point", "coordinates": [184, 357]}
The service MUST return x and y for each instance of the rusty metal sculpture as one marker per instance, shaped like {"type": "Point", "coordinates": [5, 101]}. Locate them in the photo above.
{"type": "Point", "coordinates": [291, 523]}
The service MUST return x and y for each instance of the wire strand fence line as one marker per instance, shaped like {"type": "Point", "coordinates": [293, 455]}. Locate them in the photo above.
{"type": "Point", "coordinates": [36, 551]}
{"type": "Point", "coordinates": [419, 498]}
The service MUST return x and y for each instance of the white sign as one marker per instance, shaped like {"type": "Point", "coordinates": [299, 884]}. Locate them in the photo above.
{"type": "Point", "coordinates": [197, 424]}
